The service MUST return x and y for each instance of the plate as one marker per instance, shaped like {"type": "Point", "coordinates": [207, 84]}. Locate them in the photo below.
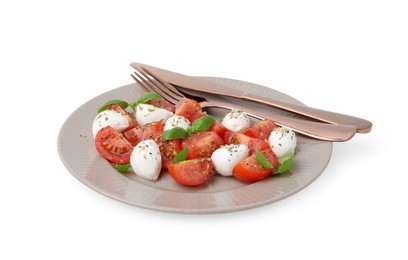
{"type": "Point", "coordinates": [221, 194]}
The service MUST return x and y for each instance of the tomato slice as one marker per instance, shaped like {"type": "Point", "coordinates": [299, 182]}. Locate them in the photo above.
{"type": "Point", "coordinates": [261, 130]}
{"type": "Point", "coordinates": [249, 170]}
{"type": "Point", "coordinates": [191, 172]}
{"type": "Point", "coordinates": [202, 144]}
{"type": "Point", "coordinates": [168, 150]}
{"type": "Point", "coordinates": [218, 128]}
{"type": "Point", "coordinates": [130, 119]}
{"type": "Point", "coordinates": [157, 102]}
{"type": "Point", "coordinates": [251, 142]}
{"type": "Point", "coordinates": [191, 110]}
{"type": "Point", "coordinates": [143, 132]}
{"type": "Point", "coordinates": [112, 146]}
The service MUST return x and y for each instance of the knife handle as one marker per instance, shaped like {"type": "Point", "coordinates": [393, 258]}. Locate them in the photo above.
{"type": "Point", "coordinates": [321, 131]}
{"type": "Point", "coordinates": [362, 125]}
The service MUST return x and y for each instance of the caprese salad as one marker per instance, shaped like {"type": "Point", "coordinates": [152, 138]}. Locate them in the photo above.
{"type": "Point", "coordinates": [187, 142]}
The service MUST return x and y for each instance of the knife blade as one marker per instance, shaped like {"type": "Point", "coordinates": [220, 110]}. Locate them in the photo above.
{"type": "Point", "coordinates": [196, 84]}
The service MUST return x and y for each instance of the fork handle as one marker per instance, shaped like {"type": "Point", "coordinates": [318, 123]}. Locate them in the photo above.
{"type": "Point", "coordinates": [321, 131]}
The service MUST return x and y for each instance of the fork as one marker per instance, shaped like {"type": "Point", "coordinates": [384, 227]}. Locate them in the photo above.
{"type": "Point", "coordinates": [322, 131]}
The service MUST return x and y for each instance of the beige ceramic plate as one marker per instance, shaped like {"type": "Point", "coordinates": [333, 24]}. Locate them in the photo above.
{"type": "Point", "coordinates": [222, 194]}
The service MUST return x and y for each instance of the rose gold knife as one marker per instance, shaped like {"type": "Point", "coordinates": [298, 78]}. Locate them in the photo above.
{"type": "Point", "coordinates": [193, 83]}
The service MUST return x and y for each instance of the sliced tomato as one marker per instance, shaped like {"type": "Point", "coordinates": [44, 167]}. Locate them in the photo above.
{"type": "Point", "coordinates": [251, 142]}
{"type": "Point", "coordinates": [129, 117]}
{"type": "Point", "coordinates": [219, 128]}
{"type": "Point", "coordinates": [202, 144]}
{"type": "Point", "coordinates": [191, 172]}
{"type": "Point", "coordinates": [157, 102]}
{"type": "Point", "coordinates": [143, 132]}
{"type": "Point", "coordinates": [191, 110]}
{"type": "Point", "coordinates": [261, 130]}
{"type": "Point", "coordinates": [168, 150]}
{"type": "Point", "coordinates": [249, 170]}
{"type": "Point", "coordinates": [112, 146]}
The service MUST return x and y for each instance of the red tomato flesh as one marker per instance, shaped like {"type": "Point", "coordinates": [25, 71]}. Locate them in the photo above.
{"type": "Point", "coordinates": [143, 132]}
{"type": "Point", "coordinates": [191, 172]}
{"type": "Point", "coordinates": [218, 128]}
{"type": "Point", "coordinates": [251, 142]}
{"type": "Point", "coordinates": [249, 170]}
{"type": "Point", "coordinates": [168, 150]}
{"type": "Point", "coordinates": [112, 146]}
{"type": "Point", "coordinates": [191, 110]}
{"type": "Point", "coordinates": [202, 144]}
{"type": "Point", "coordinates": [261, 130]}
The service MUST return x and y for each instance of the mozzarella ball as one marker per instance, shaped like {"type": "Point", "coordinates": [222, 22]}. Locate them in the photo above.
{"type": "Point", "coordinates": [282, 140]}
{"type": "Point", "coordinates": [109, 118]}
{"type": "Point", "coordinates": [146, 113]}
{"type": "Point", "coordinates": [146, 160]}
{"type": "Point", "coordinates": [176, 121]}
{"type": "Point", "coordinates": [236, 121]}
{"type": "Point", "coordinates": [227, 157]}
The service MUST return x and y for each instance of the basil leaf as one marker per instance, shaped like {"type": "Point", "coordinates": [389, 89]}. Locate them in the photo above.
{"type": "Point", "coordinates": [122, 168]}
{"type": "Point", "coordinates": [144, 98]}
{"type": "Point", "coordinates": [202, 124]}
{"type": "Point", "coordinates": [181, 156]}
{"type": "Point", "coordinates": [174, 133]}
{"type": "Point", "coordinates": [263, 161]}
{"type": "Point", "coordinates": [121, 103]}
{"type": "Point", "coordinates": [285, 162]}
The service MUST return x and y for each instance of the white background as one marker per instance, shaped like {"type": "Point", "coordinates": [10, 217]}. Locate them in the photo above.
{"type": "Point", "coordinates": [345, 56]}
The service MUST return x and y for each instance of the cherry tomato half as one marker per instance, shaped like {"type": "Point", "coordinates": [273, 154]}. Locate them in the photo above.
{"type": "Point", "coordinates": [252, 142]}
{"type": "Point", "coordinates": [261, 130]}
{"type": "Point", "coordinates": [202, 145]}
{"type": "Point", "coordinates": [191, 110]}
{"type": "Point", "coordinates": [143, 132]}
{"type": "Point", "coordinates": [249, 170]}
{"type": "Point", "coordinates": [191, 172]}
{"type": "Point", "coordinates": [112, 146]}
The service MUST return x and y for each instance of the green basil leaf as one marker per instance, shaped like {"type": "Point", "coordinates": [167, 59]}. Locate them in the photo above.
{"type": "Point", "coordinates": [121, 103]}
{"type": "Point", "coordinates": [285, 162]}
{"type": "Point", "coordinates": [263, 161]}
{"type": "Point", "coordinates": [202, 124]}
{"type": "Point", "coordinates": [181, 156]}
{"type": "Point", "coordinates": [144, 98]}
{"type": "Point", "coordinates": [122, 168]}
{"type": "Point", "coordinates": [174, 133]}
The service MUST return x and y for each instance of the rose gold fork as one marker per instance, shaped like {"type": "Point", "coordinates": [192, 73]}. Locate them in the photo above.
{"type": "Point", "coordinates": [322, 131]}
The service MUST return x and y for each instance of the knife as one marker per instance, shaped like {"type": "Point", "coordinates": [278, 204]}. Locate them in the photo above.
{"type": "Point", "coordinates": [193, 83]}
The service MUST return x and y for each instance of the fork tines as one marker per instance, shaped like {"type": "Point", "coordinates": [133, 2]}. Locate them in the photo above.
{"type": "Point", "coordinates": [151, 83]}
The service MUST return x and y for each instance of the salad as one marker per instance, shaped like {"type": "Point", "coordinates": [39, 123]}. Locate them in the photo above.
{"type": "Point", "coordinates": [191, 145]}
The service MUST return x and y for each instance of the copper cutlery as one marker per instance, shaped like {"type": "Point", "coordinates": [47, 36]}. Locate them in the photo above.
{"type": "Point", "coordinates": [196, 84]}
{"type": "Point", "coordinates": [150, 82]}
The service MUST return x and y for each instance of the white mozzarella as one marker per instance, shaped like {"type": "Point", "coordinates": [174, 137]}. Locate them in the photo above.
{"type": "Point", "coordinates": [146, 113]}
{"type": "Point", "coordinates": [282, 140]}
{"type": "Point", "coordinates": [146, 160]}
{"type": "Point", "coordinates": [176, 121]}
{"type": "Point", "coordinates": [236, 121]}
{"type": "Point", "coordinates": [109, 118]}
{"type": "Point", "coordinates": [227, 157]}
